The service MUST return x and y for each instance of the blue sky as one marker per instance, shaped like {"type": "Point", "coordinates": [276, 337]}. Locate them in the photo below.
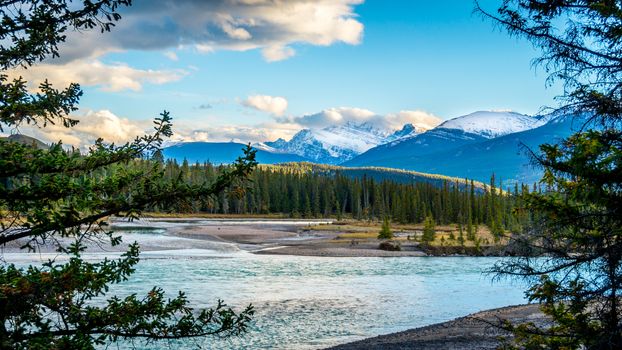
{"type": "Point", "coordinates": [379, 56]}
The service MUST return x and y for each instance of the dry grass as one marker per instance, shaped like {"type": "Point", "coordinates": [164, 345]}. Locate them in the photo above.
{"type": "Point", "coordinates": [483, 236]}
{"type": "Point", "coordinates": [358, 235]}
{"type": "Point", "coordinates": [365, 231]}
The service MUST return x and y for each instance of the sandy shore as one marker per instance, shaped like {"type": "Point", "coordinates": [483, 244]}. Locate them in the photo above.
{"type": "Point", "coordinates": [474, 331]}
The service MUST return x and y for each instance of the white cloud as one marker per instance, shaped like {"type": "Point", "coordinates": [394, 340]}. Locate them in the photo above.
{"type": "Point", "coordinates": [237, 133]}
{"type": "Point", "coordinates": [272, 26]}
{"type": "Point", "coordinates": [272, 104]}
{"type": "Point", "coordinates": [240, 25]}
{"type": "Point", "coordinates": [112, 128]}
{"type": "Point", "coordinates": [93, 125]}
{"type": "Point", "coordinates": [341, 115]}
{"type": "Point", "coordinates": [277, 53]}
{"type": "Point", "coordinates": [115, 77]}
{"type": "Point", "coordinates": [171, 55]}
{"type": "Point", "coordinates": [420, 119]}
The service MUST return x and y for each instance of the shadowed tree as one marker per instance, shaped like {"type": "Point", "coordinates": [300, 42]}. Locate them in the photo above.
{"type": "Point", "coordinates": [578, 214]}
{"type": "Point", "coordinates": [47, 194]}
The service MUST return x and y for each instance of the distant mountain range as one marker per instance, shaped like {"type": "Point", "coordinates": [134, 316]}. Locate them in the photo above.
{"type": "Point", "coordinates": [463, 148]}
{"type": "Point", "coordinates": [340, 143]}
{"type": "Point", "coordinates": [472, 146]}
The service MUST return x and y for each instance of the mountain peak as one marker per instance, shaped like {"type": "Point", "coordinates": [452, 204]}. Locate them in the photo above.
{"type": "Point", "coordinates": [406, 131]}
{"type": "Point", "coordinates": [491, 124]}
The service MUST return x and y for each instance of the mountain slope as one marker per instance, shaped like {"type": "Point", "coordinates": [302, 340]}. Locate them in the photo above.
{"type": "Point", "coordinates": [222, 153]}
{"type": "Point", "coordinates": [26, 140]}
{"type": "Point", "coordinates": [408, 130]}
{"type": "Point", "coordinates": [433, 141]}
{"type": "Point", "coordinates": [340, 143]}
{"type": "Point", "coordinates": [377, 173]}
{"type": "Point", "coordinates": [333, 144]}
{"type": "Point", "coordinates": [502, 155]}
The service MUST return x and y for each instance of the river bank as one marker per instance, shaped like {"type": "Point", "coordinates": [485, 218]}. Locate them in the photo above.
{"type": "Point", "coordinates": [476, 331]}
{"type": "Point", "coordinates": [327, 237]}
{"type": "Point", "coordinates": [278, 236]}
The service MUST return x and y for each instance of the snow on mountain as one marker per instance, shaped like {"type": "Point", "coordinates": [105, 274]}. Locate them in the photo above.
{"type": "Point", "coordinates": [491, 124]}
{"type": "Point", "coordinates": [408, 130]}
{"type": "Point", "coordinates": [429, 142]}
{"type": "Point", "coordinates": [333, 144]}
{"type": "Point", "coordinates": [262, 146]}
{"type": "Point", "coordinates": [454, 152]}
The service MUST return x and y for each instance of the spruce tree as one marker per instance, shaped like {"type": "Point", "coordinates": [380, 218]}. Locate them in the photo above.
{"type": "Point", "coordinates": [50, 193]}
{"type": "Point", "coordinates": [577, 207]}
{"type": "Point", "coordinates": [429, 230]}
{"type": "Point", "coordinates": [385, 230]}
{"type": "Point", "coordinates": [461, 235]}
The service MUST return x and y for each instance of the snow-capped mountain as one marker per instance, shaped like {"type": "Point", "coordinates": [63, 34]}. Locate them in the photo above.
{"type": "Point", "coordinates": [491, 124]}
{"type": "Point", "coordinates": [341, 143]}
{"type": "Point", "coordinates": [429, 142]}
{"type": "Point", "coordinates": [455, 152]}
{"type": "Point", "coordinates": [408, 130]}
{"type": "Point", "coordinates": [334, 144]}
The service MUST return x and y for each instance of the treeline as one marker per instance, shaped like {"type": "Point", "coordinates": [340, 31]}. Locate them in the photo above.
{"type": "Point", "coordinates": [298, 192]}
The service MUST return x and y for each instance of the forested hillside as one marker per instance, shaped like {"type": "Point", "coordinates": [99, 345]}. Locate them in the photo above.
{"type": "Point", "coordinates": [316, 191]}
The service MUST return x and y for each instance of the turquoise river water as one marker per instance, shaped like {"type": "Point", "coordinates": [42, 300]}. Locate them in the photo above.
{"type": "Point", "coordinates": [315, 302]}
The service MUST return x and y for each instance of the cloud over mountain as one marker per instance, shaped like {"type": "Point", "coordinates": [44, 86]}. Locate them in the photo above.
{"type": "Point", "coordinates": [342, 115]}
{"type": "Point", "coordinates": [117, 129]}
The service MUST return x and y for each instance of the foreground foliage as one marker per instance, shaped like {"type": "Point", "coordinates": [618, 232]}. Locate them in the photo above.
{"type": "Point", "coordinates": [579, 215]}
{"type": "Point", "coordinates": [60, 199]}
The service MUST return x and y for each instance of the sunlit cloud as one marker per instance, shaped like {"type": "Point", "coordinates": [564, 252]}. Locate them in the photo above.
{"type": "Point", "coordinates": [271, 104]}
{"type": "Point", "coordinates": [115, 129]}
{"type": "Point", "coordinates": [92, 125]}
{"type": "Point", "coordinates": [342, 115]}
{"type": "Point", "coordinates": [240, 25]}
{"type": "Point", "coordinates": [113, 77]}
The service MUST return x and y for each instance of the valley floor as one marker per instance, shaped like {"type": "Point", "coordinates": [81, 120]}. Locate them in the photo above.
{"type": "Point", "coordinates": [331, 238]}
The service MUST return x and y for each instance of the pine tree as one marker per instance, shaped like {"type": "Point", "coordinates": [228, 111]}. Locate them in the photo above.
{"type": "Point", "coordinates": [470, 231]}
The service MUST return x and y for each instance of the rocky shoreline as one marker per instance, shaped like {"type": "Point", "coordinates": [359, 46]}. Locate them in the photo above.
{"type": "Point", "coordinates": [475, 331]}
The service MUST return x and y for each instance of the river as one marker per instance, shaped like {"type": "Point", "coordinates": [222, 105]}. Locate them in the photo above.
{"type": "Point", "coordinates": [313, 302]}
